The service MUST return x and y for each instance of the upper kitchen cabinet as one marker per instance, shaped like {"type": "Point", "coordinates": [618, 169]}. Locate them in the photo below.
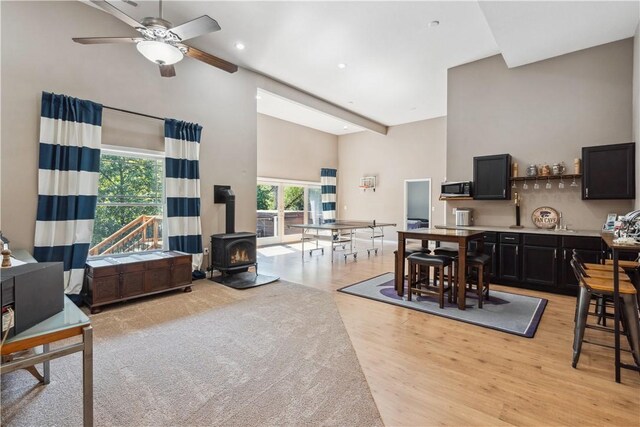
{"type": "Point", "coordinates": [491, 177]}
{"type": "Point", "coordinates": [609, 172]}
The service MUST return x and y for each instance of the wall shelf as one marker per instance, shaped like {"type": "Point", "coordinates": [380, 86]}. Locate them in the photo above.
{"type": "Point", "coordinates": [542, 178]}
{"type": "Point", "coordinates": [455, 198]}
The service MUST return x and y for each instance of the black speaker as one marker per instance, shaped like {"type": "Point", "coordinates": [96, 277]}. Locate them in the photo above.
{"type": "Point", "coordinates": [35, 292]}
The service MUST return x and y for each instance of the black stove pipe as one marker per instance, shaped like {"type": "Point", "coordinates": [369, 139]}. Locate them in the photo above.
{"type": "Point", "coordinates": [224, 194]}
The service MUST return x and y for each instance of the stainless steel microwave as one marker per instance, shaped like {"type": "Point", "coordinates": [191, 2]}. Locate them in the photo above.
{"type": "Point", "coordinates": [456, 189]}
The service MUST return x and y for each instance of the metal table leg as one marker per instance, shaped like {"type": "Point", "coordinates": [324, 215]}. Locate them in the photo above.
{"type": "Point", "coordinates": [616, 311]}
{"type": "Point", "coordinates": [87, 376]}
{"type": "Point", "coordinates": [46, 365]}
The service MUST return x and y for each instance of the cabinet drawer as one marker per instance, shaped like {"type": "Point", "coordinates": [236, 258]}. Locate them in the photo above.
{"type": "Point", "coordinates": [540, 240]}
{"type": "Point", "coordinates": [509, 238]}
{"type": "Point", "coordinates": [580, 242]}
{"type": "Point", "coordinates": [490, 236]}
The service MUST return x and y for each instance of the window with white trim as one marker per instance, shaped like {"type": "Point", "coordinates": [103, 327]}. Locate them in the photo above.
{"type": "Point", "coordinates": [130, 207]}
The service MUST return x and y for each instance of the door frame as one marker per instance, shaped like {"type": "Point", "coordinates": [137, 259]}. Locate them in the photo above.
{"type": "Point", "coordinates": [406, 190]}
{"type": "Point", "coordinates": [280, 236]}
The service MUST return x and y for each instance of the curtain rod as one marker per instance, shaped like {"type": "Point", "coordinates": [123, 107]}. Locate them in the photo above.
{"type": "Point", "coordinates": [133, 112]}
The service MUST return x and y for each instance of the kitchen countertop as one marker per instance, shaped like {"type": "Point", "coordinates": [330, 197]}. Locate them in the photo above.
{"type": "Point", "coordinates": [582, 233]}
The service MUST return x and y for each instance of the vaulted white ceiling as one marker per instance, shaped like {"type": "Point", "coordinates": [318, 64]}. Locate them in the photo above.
{"type": "Point", "coordinates": [396, 63]}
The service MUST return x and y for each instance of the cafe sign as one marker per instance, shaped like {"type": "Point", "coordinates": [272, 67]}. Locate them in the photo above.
{"type": "Point", "coordinates": [545, 217]}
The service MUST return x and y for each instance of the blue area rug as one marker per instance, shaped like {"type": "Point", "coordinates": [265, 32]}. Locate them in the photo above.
{"type": "Point", "coordinates": [503, 311]}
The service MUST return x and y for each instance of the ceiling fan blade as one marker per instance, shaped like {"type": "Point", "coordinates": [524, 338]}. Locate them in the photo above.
{"type": "Point", "coordinates": [167, 71]}
{"type": "Point", "coordinates": [195, 27]}
{"type": "Point", "coordinates": [106, 40]}
{"type": "Point", "coordinates": [109, 8]}
{"type": "Point", "coordinates": [194, 53]}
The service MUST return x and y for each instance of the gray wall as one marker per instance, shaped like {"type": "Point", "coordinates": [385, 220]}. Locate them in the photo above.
{"type": "Point", "coordinates": [289, 151]}
{"type": "Point", "coordinates": [410, 151]}
{"type": "Point", "coordinates": [540, 113]}
{"type": "Point", "coordinates": [38, 56]}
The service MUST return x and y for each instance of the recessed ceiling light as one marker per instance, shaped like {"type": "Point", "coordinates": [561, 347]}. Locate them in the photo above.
{"type": "Point", "coordinates": [258, 97]}
{"type": "Point", "coordinates": [240, 46]}
{"type": "Point", "coordinates": [345, 127]}
{"type": "Point", "coordinates": [434, 24]}
{"type": "Point", "coordinates": [342, 65]}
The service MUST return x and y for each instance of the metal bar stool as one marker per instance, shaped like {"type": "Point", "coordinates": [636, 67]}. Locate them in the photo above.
{"type": "Point", "coordinates": [599, 271]}
{"type": "Point", "coordinates": [603, 287]}
{"type": "Point", "coordinates": [420, 265]}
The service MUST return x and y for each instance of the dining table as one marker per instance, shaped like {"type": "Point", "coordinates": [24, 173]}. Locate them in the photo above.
{"type": "Point", "coordinates": [616, 249]}
{"type": "Point", "coordinates": [438, 235]}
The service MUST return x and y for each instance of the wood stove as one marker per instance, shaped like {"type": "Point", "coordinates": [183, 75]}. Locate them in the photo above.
{"type": "Point", "coordinates": [231, 252]}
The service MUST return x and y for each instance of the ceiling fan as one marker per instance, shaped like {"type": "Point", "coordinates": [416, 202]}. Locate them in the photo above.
{"type": "Point", "coordinates": [161, 42]}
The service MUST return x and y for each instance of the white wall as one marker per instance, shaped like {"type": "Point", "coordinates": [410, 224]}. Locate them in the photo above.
{"type": "Point", "coordinates": [289, 151]}
{"type": "Point", "coordinates": [39, 55]}
{"type": "Point", "coordinates": [410, 151]}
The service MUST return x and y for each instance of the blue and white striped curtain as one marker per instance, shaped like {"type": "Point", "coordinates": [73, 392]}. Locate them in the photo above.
{"type": "Point", "coordinates": [328, 182]}
{"type": "Point", "coordinates": [68, 173]}
{"type": "Point", "coordinates": [182, 187]}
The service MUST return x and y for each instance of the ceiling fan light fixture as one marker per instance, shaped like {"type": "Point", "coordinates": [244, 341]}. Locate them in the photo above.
{"type": "Point", "coordinates": [159, 52]}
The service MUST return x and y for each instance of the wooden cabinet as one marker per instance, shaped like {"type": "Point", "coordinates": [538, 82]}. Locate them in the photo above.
{"type": "Point", "coordinates": [540, 260]}
{"type": "Point", "coordinates": [109, 279]}
{"type": "Point", "coordinates": [609, 172]}
{"type": "Point", "coordinates": [490, 240]}
{"type": "Point", "coordinates": [510, 257]}
{"type": "Point", "coordinates": [491, 176]}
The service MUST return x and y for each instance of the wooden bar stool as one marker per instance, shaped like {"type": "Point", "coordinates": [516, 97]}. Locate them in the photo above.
{"type": "Point", "coordinates": [601, 288]}
{"type": "Point", "coordinates": [453, 254]}
{"type": "Point", "coordinates": [480, 264]}
{"type": "Point", "coordinates": [411, 249]}
{"type": "Point", "coordinates": [420, 265]}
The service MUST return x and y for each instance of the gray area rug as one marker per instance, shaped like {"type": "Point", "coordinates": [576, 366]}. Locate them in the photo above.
{"type": "Point", "coordinates": [503, 311]}
{"type": "Point", "coordinates": [278, 356]}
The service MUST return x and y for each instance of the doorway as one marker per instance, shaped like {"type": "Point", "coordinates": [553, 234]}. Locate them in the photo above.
{"type": "Point", "coordinates": [417, 203]}
{"type": "Point", "coordinates": [281, 203]}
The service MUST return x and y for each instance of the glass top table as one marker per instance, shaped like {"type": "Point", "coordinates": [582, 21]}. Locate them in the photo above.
{"type": "Point", "coordinates": [70, 317]}
{"type": "Point", "coordinates": [70, 322]}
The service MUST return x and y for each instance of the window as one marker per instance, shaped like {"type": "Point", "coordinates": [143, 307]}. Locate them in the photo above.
{"type": "Point", "coordinates": [130, 204]}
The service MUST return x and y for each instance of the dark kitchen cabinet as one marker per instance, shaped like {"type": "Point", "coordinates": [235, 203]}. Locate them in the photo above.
{"type": "Point", "coordinates": [509, 256]}
{"type": "Point", "coordinates": [490, 240]}
{"type": "Point", "coordinates": [540, 260]}
{"type": "Point", "coordinates": [491, 176]}
{"type": "Point", "coordinates": [609, 172]}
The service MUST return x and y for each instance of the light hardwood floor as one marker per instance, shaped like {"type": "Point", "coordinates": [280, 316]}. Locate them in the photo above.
{"type": "Point", "coordinates": [428, 370]}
